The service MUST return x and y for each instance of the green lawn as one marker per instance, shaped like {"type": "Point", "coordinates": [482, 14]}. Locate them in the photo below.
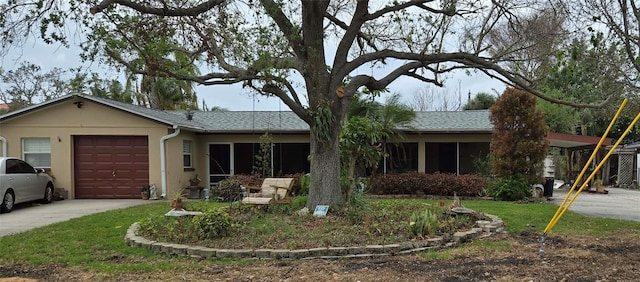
{"type": "Point", "coordinates": [97, 241]}
{"type": "Point", "coordinates": [94, 241]}
{"type": "Point", "coordinates": [536, 216]}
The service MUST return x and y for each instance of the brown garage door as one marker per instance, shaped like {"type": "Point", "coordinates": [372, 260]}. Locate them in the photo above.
{"type": "Point", "coordinates": [110, 167]}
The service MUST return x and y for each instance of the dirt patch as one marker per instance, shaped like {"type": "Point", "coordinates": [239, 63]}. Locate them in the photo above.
{"type": "Point", "coordinates": [568, 258]}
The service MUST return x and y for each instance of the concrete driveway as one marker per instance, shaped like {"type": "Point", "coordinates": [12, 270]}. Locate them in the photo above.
{"type": "Point", "coordinates": [29, 216]}
{"type": "Point", "coordinates": [619, 203]}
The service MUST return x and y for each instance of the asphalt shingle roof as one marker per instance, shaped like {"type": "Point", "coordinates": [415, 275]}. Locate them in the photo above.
{"type": "Point", "coordinates": [260, 121]}
{"type": "Point", "coordinates": [275, 121]}
{"type": "Point", "coordinates": [247, 121]}
{"type": "Point", "coordinates": [169, 117]}
{"type": "Point", "coordinates": [462, 121]}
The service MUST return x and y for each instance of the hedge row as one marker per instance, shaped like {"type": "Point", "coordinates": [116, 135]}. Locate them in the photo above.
{"type": "Point", "coordinates": [439, 184]}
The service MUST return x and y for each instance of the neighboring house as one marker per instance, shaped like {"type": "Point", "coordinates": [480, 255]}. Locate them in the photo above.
{"type": "Point", "coordinates": [624, 168]}
{"type": "Point", "coordinates": [99, 148]}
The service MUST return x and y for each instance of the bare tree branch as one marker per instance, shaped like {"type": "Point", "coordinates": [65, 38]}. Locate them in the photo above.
{"type": "Point", "coordinates": [295, 107]}
{"type": "Point", "coordinates": [351, 32]}
{"type": "Point", "coordinates": [292, 34]}
{"type": "Point", "coordinates": [400, 7]}
{"type": "Point", "coordinates": [468, 60]}
{"type": "Point", "coordinates": [164, 11]}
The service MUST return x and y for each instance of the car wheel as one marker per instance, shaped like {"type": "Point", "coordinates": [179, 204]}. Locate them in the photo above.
{"type": "Point", "coordinates": [48, 194]}
{"type": "Point", "coordinates": [7, 202]}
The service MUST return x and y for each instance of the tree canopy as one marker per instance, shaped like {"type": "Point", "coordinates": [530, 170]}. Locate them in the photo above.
{"type": "Point", "coordinates": [28, 84]}
{"type": "Point", "coordinates": [481, 101]}
{"type": "Point", "coordinates": [589, 69]}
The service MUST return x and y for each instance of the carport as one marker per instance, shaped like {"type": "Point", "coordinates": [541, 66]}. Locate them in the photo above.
{"type": "Point", "coordinates": [624, 165]}
{"type": "Point", "coordinates": [578, 148]}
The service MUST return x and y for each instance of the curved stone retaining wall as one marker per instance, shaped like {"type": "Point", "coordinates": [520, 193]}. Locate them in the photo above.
{"type": "Point", "coordinates": [483, 229]}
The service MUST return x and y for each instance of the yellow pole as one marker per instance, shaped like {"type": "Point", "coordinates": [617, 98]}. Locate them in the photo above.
{"type": "Point", "coordinates": [556, 216]}
{"type": "Point", "coordinates": [635, 120]}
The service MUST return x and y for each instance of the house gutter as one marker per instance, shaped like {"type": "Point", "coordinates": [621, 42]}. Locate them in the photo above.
{"type": "Point", "coordinates": [4, 145]}
{"type": "Point", "coordinates": [163, 159]}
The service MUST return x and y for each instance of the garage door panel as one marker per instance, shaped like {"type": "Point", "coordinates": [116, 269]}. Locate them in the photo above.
{"type": "Point", "coordinates": [124, 159]}
{"type": "Point", "coordinates": [102, 156]}
{"type": "Point", "coordinates": [108, 167]}
{"type": "Point", "coordinates": [123, 174]}
{"type": "Point", "coordinates": [103, 174]}
{"type": "Point", "coordinates": [141, 173]}
{"type": "Point", "coordinates": [140, 158]}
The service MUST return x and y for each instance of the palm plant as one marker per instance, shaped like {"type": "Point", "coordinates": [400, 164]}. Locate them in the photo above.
{"type": "Point", "coordinates": [369, 125]}
{"type": "Point", "coordinates": [388, 118]}
{"type": "Point", "coordinates": [166, 93]}
{"type": "Point", "coordinates": [393, 116]}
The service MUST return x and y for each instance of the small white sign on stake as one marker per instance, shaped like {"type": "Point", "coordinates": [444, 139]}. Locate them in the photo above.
{"type": "Point", "coordinates": [321, 211]}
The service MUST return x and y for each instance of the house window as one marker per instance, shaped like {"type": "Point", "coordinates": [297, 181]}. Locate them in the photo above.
{"type": "Point", "coordinates": [37, 152]}
{"type": "Point", "coordinates": [441, 157]}
{"type": "Point", "coordinates": [186, 153]}
{"type": "Point", "coordinates": [401, 157]}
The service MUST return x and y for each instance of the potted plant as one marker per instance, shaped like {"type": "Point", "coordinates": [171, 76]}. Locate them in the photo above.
{"type": "Point", "coordinates": [194, 180]}
{"type": "Point", "coordinates": [145, 192]}
{"type": "Point", "coordinates": [229, 190]}
{"type": "Point", "coordinates": [177, 202]}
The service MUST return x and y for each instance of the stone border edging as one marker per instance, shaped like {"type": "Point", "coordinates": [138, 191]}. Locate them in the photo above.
{"type": "Point", "coordinates": [484, 229]}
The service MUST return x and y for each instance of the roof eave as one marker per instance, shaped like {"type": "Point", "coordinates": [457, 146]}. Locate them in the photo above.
{"type": "Point", "coordinates": [418, 131]}
{"type": "Point", "coordinates": [88, 97]}
{"type": "Point", "coordinates": [14, 114]}
{"type": "Point", "coordinates": [254, 131]}
{"type": "Point", "coordinates": [58, 100]}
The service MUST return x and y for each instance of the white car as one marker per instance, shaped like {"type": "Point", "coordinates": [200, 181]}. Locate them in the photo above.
{"type": "Point", "coordinates": [20, 182]}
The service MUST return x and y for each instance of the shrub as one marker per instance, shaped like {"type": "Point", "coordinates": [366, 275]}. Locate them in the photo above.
{"type": "Point", "coordinates": [483, 165]}
{"type": "Point", "coordinates": [298, 202]}
{"type": "Point", "coordinates": [168, 229]}
{"type": "Point", "coordinates": [443, 184]}
{"type": "Point", "coordinates": [452, 223]}
{"type": "Point", "coordinates": [248, 180]}
{"type": "Point", "coordinates": [395, 184]}
{"type": "Point", "coordinates": [425, 223]}
{"type": "Point", "coordinates": [440, 184]}
{"type": "Point", "coordinates": [511, 189]}
{"type": "Point", "coordinates": [212, 224]}
{"type": "Point", "coordinates": [229, 189]}
{"type": "Point", "coordinates": [470, 185]}
{"type": "Point", "coordinates": [357, 208]}
{"type": "Point", "coordinates": [263, 157]}
{"type": "Point", "coordinates": [305, 181]}
{"type": "Point", "coordinates": [519, 141]}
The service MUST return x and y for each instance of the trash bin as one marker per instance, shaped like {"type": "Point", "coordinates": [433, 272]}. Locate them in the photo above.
{"type": "Point", "coordinates": [548, 187]}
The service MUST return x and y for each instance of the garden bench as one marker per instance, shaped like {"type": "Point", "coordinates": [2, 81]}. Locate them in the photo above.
{"type": "Point", "coordinates": [272, 191]}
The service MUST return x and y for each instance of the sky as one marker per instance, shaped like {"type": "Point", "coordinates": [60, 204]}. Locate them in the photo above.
{"type": "Point", "coordinates": [235, 98]}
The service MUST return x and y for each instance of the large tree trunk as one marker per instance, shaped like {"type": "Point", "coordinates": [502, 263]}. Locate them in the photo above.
{"type": "Point", "coordinates": [325, 171]}
{"type": "Point", "coordinates": [325, 154]}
